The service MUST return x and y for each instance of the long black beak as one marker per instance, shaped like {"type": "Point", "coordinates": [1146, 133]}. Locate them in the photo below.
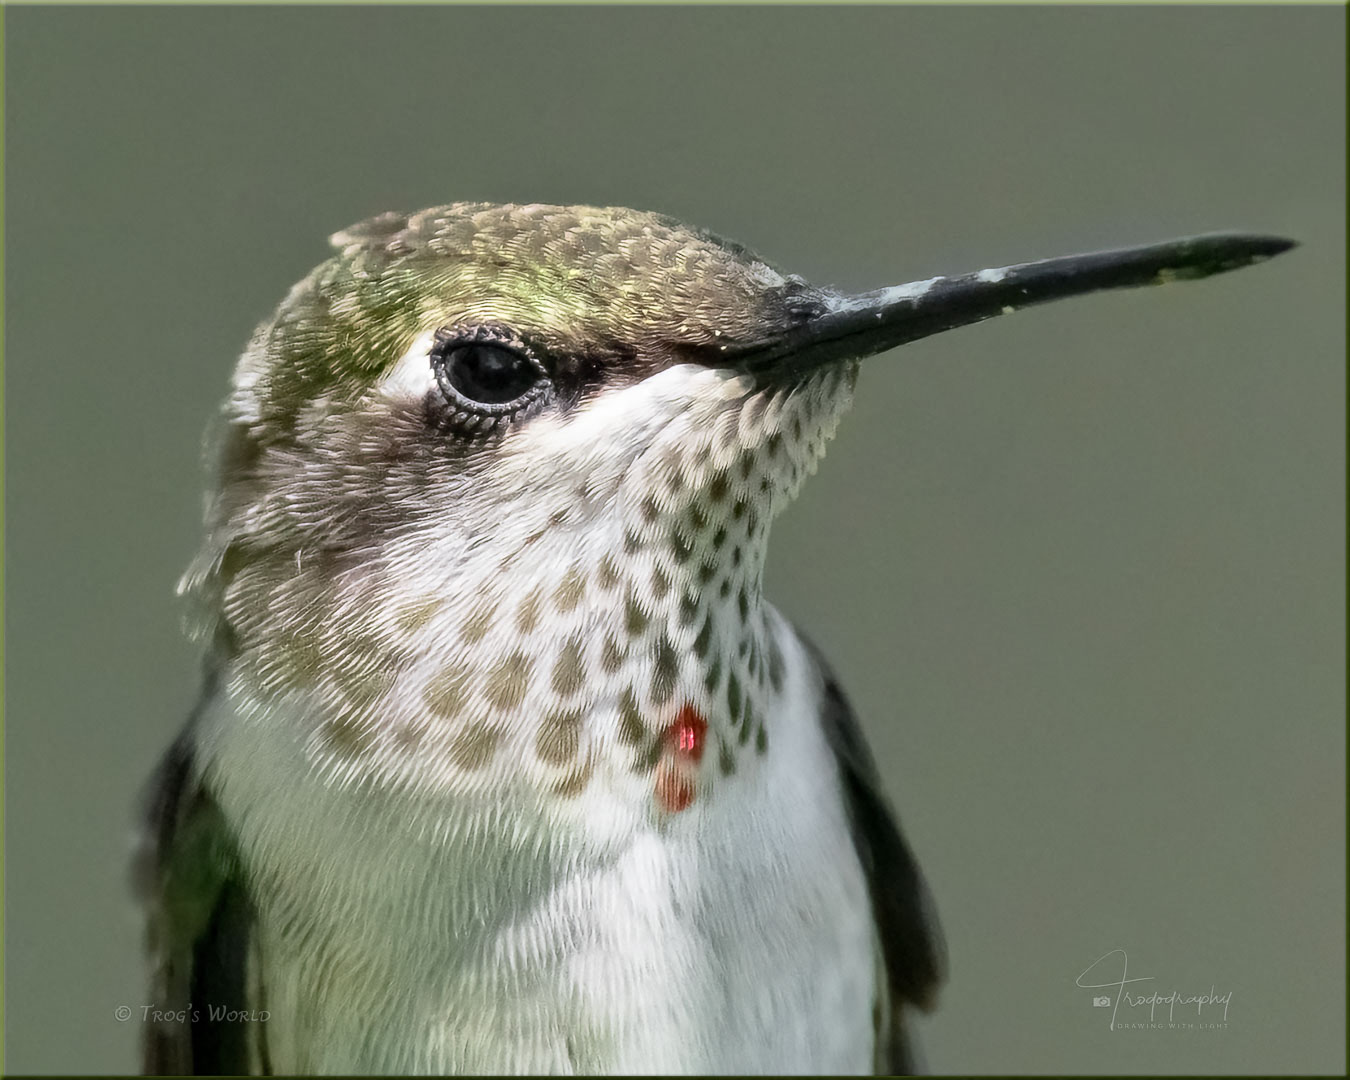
{"type": "Point", "coordinates": [846, 328]}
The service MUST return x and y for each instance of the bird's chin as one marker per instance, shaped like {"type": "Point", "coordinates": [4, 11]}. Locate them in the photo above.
{"type": "Point", "coordinates": [788, 421]}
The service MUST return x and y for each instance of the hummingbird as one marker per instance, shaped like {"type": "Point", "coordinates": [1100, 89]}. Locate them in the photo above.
{"type": "Point", "coordinates": [502, 761]}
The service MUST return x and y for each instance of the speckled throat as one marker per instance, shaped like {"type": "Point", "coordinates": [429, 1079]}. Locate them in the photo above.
{"type": "Point", "coordinates": [589, 633]}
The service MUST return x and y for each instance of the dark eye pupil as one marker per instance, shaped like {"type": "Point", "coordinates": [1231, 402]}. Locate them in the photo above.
{"type": "Point", "coordinates": [489, 374]}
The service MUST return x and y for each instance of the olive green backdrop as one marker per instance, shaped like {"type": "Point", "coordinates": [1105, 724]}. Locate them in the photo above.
{"type": "Point", "coordinates": [1082, 569]}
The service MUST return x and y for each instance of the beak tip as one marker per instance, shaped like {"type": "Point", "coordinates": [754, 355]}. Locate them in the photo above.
{"type": "Point", "coordinates": [1274, 245]}
{"type": "Point", "coordinates": [1249, 248]}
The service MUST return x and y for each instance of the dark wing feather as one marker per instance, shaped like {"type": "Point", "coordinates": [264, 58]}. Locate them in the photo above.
{"type": "Point", "coordinates": [199, 930]}
{"type": "Point", "coordinates": [911, 943]}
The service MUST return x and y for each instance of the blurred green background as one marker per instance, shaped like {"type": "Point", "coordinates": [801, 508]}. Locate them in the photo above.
{"type": "Point", "coordinates": [1082, 570]}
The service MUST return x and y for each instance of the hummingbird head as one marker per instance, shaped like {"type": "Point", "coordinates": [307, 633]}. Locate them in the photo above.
{"type": "Point", "coordinates": [501, 477]}
{"type": "Point", "coordinates": [487, 459]}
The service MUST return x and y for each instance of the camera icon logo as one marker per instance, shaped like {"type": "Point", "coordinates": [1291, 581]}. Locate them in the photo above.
{"type": "Point", "coordinates": [1101, 1002]}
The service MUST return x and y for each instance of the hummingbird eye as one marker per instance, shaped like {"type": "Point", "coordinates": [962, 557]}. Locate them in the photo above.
{"type": "Point", "coordinates": [487, 375]}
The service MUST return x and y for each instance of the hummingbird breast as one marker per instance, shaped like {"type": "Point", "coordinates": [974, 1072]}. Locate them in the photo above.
{"type": "Point", "coordinates": [602, 932]}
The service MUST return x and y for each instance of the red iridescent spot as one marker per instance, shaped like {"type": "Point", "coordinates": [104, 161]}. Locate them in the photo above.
{"type": "Point", "coordinates": [683, 742]}
{"type": "Point", "coordinates": [687, 733]}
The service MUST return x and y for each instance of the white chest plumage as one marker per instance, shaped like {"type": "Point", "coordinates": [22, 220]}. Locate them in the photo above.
{"type": "Point", "coordinates": [504, 933]}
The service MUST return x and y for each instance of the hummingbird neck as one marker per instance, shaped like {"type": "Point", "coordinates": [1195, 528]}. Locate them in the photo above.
{"type": "Point", "coordinates": [554, 620]}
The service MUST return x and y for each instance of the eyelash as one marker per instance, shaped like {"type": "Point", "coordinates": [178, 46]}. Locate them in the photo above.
{"type": "Point", "coordinates": [471, 417]}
